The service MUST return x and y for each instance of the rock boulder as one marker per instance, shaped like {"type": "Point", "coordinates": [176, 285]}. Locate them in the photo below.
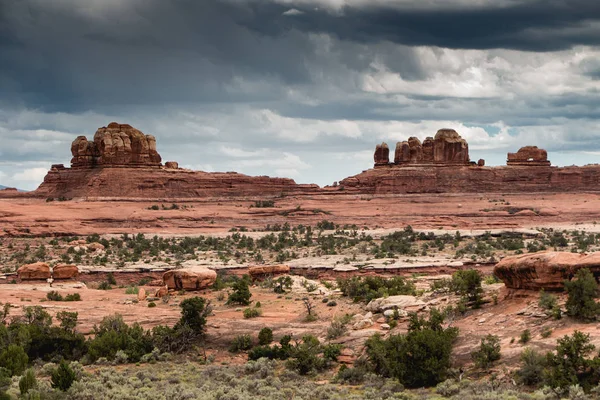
{"type": "Point", "coordinates": [65, 271]}
{"type": "Point", "coordinates": [448, 147]}
{"type": "Point", "coordinates": [263, 271]}
{"type": "Point", "coordinates": [35, 271]}
{"type": "Point", "coordinates": [528, 155]}
{"type": "Point", "coordinates": [400, 302]}
{"type": "Point", "coordinates": [184, 279]}
{"type": "Point", "coordinates": [544, 270]}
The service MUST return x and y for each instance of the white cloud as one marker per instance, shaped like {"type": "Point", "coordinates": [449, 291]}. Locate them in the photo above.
{"type": "Point", "coordinates": [293, 11]}
{"type": "Point", "coordinates": [31, 175]}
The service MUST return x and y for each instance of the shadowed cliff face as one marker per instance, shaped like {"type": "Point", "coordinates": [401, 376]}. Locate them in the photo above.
{"type": "Point", "coordinates": [116, 144]}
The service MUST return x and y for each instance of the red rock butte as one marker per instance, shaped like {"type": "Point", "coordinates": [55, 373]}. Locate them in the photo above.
{"type": "Point", "coordinates": [122, 162]}
{"type": "Point", "coordinates": [441, 164]}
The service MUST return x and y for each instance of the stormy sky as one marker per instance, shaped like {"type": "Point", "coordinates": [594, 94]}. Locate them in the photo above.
{"type": "Point", "coordinates": [297, 88]}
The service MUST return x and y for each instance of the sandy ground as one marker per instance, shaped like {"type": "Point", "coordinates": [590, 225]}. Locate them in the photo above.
{"type": "Point", "coordinates": [423, 211]}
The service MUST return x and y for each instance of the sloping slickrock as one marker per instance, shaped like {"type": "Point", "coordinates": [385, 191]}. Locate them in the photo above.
{"type": "Point", "coordinates": [268, 270]}
{"type": "Point", "coordinates": [64, 271]}
{"type": "Point", "coordinates": [35, 271]}
{"type": "Point", "coordinates": [189, 279]}
{"type": "Point", "coordinates": [544, 270]}
{"type": "Point", "coordinates": [400, 302]}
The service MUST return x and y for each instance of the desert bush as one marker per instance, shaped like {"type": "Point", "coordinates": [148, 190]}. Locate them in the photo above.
{"type": "Point", "coordinates": [365, 289]}
{"type": "Point", "coordinates": [310, 355]}
{"type": "Point", "coordinates": [63, 376]}
{"type": "Point", "coordinates": [252, 312]}
{"type": "Point", "coordinates": [525, 336]}
{"type": "Point", "coordinates": [282, 284]}
{"type": "Point", "coordinates": [110, 278]}
{"type": "Point", "coordinates": [582, 291]}
{"type": "Point", "coordinates": [14, 359]}
{"type": "Point", "coordinates": [275, 352]}
{"type": "Point", "coordinates": [104, 285]}
{"type": "Point", "coordinates": [488, 352]}
{"type": "Point", "coordinates": [531, 368]}
{"type": "Point", "coordinates": [240, 343]}
{"type": "Point", "coordinates": [547, 301]}
{"type": "Point", "coordinates": [53, 295]}
{"type": "Point", "coordinates": [113, 334]}
{"type": "Point", "coordinates": [467, 283]}
{"type": "Point", "coordinates": [419, 358]}
{"type": "Point", "coordinates": [240, 294]}
{"type": "Point", "coordinates": [132, 290]}
{"type": "Point", "coordinates": [338, 327]}
{"type": "Point", "coordinates": [73, 297]}
{"type": "Point", "coordinates": [151, 304]}
{"type": "Point", "coordinates": [570, 364]}
{"type": "Point", "coordinates": [265, 336]}
{"type": "Point", "coordinates": [27, 382]}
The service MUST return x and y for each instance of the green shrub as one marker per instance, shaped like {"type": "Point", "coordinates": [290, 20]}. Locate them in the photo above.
{"type": "Point", "coordinates": [337, 328]}
{"type": "Point", "coordinates": [331, 303]}
{"type": "Point", "coordinates": [582, 291]}
{"type": "Point", "coordinates": [547, 301]}
{"type": "Point", "coordinates": [310, 355]}
{"type": "Point", "coordinates": [488, 352]}
{"type": "Point", "coordinates": [546, 332]}
{"type": "Point", "coordinates": [240, 294]}
{"type": "Point", "coordinates": [525, 336]}
{"type": "Point", "coordinates": [53, 295]}
{"type": "Point", "coordinates": [265, 336]}
{"type": "Point", "coordinates": [132, 290]}
{"type": "Point", "coordinates": [110, 278]}
{"type": "Point", "coordinates": [281, 352]}
{"type": "Point", "coordinates": [419, 358]}
{"type": "Point", "coordinates": [151, 304]}
{"type": "Point", "coordinates": [14, 359]}
{"type": "Point", "coordinates": [73, 297]}
{"type": "Point", "coordinates": [240, 343]}
{"type": "Point", "coordinates": [570, 364]}
{"type": "Point", "coordinates": [27, 382]}
{"type": "Point", "coordinates": [281, 284]}
{"type": "Point", "coordinates": [467, 283]}
{"type": "Point", "coordinates": [113, 334]}
{"type": "Point", "coordinates": [532, 367]}
{"type": "Point", "coordinates": [104, 285]}
{"type": "Point", "coordinates": [63, 376]}
{"type": "Point", "coordinates": [365, 289]}
{"type": "Point", "coordinates": [252, 312]}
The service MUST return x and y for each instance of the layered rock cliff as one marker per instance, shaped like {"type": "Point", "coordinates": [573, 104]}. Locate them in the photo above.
{"type": "Point", "coordinates": [123, 162]}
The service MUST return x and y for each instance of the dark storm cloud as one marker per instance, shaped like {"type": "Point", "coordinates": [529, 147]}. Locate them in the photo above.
{"type": "Point", "coordinates": [535, 25]}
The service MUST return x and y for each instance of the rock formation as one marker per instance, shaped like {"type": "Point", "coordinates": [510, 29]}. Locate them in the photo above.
{"type": "Point", "coordinates": [122, 162]}
{"type": "Point", "coordinates": [446, 148]}
{"type": "Point", "coordinates": [544, 270]}
{"type": "Point", "coordinates": [35, 271]}
{"type": "Point", "coordinates": [382, 154]}
{"type": "Point", "coordinates": [64, 271]}
{"type": "Point", "coordinates": [528, 155]}
{"type": "Point", "coordinates": [263, 271]}
{"type": "Point", "coordinates": [115, 145]}
{"type": "Point", "coordinates": [183, 279]}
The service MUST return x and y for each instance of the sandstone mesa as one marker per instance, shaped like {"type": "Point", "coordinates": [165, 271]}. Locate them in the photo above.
{"type": "Point", "coordinates": [122, 162]}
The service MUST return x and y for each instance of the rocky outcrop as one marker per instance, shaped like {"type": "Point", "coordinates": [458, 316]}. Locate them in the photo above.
{"type": "Point", "coordinates": [544, 270]}
{"type": "Point", "coordinates": [399, 302]}
{"type": "Point", "coordinates": [528, 155]}
{"type": "Point", "coordinates": [172, 165]}
{"type": "Point", "coordinates": [263, 271]}
{"type": "Point", "coordinates": [115, 145]}
{"type": "Point", "coordinates": [182, 279]}
{"type": "Point", "coordinates": [382, 154]}
{"type": "Point", "coordinates": [35, 271]}
{"type": "Point", "coordinates": [65, 271]}
{"type": "Point", "coordinates": [447, 147]}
